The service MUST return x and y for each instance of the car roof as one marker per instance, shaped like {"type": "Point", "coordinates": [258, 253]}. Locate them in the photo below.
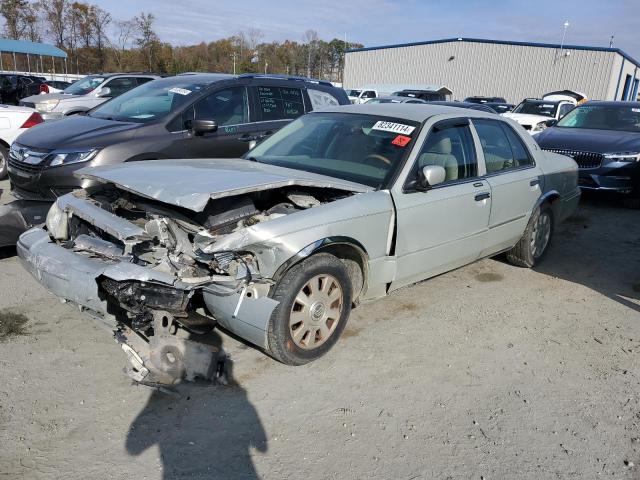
{"type": "Point", "coordinates": [611, 103]}
{"type": "Point", "coordinates": [417, 112]}
{"type": "Point", "coordinates": [399, 98]}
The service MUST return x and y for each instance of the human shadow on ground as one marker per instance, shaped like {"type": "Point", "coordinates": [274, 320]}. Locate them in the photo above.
{"type": "Point", "coordinates": [206, 431]}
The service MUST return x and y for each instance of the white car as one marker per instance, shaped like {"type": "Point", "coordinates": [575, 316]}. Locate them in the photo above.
{"type": "Point", "coordinates": [85, 94]}
{"type": "Point", "coordinates": [13, 121]}
{"type": "Point", "coordinates": [536, 114]}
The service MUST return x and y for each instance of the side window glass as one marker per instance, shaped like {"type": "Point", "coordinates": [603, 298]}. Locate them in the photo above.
{"type": "Point", "coordinates": [320, 99]}
{"type": "Point", "coordinates": [279, 103]}
{"type": "Point", "coordinates": [451, 148]}
{"type": "Point", "coordinates": [120, 85]}
{"type": "Point", "coordinates": [521, 156]}
{"type": "Point", "coordinates": [227, 107]}
{"type": "Point", "coordinates": [495, 145]}
{"type": "Point", "coordinates": [142, 80]}
{"type": "Point", "coordinates": [369, 94]}
{"type": "Point", "coordinates": [565, 108]}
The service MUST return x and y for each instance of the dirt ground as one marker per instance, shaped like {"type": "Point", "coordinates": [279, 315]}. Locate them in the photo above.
{"type": "Point", "coordinates": [489, 371]}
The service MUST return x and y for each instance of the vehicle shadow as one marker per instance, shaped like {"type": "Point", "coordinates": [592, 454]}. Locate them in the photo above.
{"type": "Point", "coordinates": [204, 430]}
{"type": "Point", "coordinates": [599, 247]}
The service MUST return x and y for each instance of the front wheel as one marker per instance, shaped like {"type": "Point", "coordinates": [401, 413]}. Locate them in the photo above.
{"type": "Point", "coordinates": [535, 241]}
{"type": "Point", "coordinates": [4, 161]}
{"type": "Point", "coordinates": [315, 302]}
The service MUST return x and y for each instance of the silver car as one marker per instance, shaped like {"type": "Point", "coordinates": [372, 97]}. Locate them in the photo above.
{"type": "Point", "coordinates": [339, 207]}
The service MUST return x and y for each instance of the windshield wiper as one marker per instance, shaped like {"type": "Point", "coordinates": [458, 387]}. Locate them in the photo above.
{"type": "Point", "coordinates": [253, 159]}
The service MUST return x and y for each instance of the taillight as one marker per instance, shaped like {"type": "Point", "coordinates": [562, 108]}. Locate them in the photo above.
{"type": "Point", "coordinates": [33, 120]}
{"type": "Point", "coordinates": [44, 88]}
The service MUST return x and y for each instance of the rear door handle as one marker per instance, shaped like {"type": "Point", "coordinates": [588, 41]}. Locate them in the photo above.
{"type": "Point", "coordinates": [534, 182]}
{"type": "Point", "coordinates": [482, 196]}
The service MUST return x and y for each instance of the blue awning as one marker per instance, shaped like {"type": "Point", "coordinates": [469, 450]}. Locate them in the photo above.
{"type": "Point", "coordinates": [32, 48]}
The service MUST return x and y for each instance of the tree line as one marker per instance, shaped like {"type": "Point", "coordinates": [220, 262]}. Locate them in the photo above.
{"type": "Point", "coordinates": [96, 42]}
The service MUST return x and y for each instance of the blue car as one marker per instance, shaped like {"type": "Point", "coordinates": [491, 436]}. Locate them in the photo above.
{"type": "Point", "coordinates": [604, 140]}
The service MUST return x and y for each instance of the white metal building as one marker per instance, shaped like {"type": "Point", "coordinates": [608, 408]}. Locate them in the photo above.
{"type": "Point", "coordinates": [513, 70]}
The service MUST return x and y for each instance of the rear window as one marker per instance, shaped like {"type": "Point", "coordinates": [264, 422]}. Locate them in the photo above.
{"type": "Point", "coordinates": [279, 103]}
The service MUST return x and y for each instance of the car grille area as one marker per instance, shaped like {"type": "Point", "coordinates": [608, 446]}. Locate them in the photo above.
{"type": "Point", "coordinates": [583, 159]}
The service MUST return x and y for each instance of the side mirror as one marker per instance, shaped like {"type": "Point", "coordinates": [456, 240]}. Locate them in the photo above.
{"type": "Point", "coordinates": [430, 175]}
{"type": "Point", "coordinates": [552, 122]}
{"type": "Point", "coordinates": [200, 127]}
{"type": "Point", "coordinates": [104, 92]}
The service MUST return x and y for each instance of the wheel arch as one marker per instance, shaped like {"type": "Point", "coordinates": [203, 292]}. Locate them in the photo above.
{"type": "Point", "coordinates": [349, 250]}
{"type": "Point", "coordinates": [551, 198]}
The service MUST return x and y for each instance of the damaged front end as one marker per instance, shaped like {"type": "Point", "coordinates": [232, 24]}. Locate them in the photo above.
{"type": "Point", "coordinates": [164, 276]}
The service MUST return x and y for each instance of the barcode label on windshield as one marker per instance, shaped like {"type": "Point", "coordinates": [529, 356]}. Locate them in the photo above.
{"type": "Point", "coordinates": [394, 127]}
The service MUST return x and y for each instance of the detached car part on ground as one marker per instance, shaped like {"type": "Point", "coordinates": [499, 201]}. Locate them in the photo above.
{"type": "Point", "coordinates": [338, 207]}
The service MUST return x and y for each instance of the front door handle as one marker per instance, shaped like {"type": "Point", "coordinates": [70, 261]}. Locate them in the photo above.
{"type": "Point", "coordinates": [482, 196]}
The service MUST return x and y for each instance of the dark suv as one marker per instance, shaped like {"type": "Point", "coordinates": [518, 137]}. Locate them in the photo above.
{"type": "Point", "coordinates": [604, 140]}
{"type": "Point", "coordinates": [186, 116]}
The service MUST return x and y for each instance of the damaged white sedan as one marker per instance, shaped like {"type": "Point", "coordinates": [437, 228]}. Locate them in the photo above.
{"type": "Point", "coordinates": [340, 206]}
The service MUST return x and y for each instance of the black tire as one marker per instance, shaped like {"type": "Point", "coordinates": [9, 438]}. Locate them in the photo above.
{"type": "Point", "coordinates": [4, 161]}
{"type": "Point", "coordinates": [281, 343]}
{"type": "Point", "coordinates": [524, 254]}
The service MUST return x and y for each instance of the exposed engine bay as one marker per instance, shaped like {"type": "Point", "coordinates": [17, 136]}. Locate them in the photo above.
{"type": "Point", "coordinates": [162, 317]}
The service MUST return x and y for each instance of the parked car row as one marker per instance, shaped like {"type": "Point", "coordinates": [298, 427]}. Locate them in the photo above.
{"type": "Point", "coordinates": [270, 207]}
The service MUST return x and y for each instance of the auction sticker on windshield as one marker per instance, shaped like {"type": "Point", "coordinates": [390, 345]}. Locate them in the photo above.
{"type": "Point", "coordinates": [180, 91]}
{"type": "Point", "coordinates": [393, 127]}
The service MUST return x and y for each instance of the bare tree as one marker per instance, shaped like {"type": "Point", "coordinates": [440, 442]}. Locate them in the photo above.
{"type": "Point", "coordinates": [147, 39]}
{"type": "Point", "coordinates": [101, 20]}
{"type": "Point", "coordinates": [13, 12]}
{"type": "Point", "coordinates": [310, 37]}
{"type": "Point", "coordinates": [55, 18]}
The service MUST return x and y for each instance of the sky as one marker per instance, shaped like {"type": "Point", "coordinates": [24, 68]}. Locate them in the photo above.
{"type": "Point", "coordinates": [384, 22]}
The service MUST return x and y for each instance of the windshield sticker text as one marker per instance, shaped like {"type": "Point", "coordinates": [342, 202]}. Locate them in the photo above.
{"type": "Point", "coordinates": [393, 127]}
{"type": "Point", "coordinates": [180, 91]}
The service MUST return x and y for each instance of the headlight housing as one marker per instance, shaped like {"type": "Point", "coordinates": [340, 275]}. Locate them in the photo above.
{"type": "Point", "coordinates": [65, 157]}
{"type": "Point", "coordinates": [623, 157]}
{"type": "Point", "coordinates": [47, 105]}
{"type": "Point", "coordinates": [57, 222]}
{"type": "Point", "coordinates": [540, 126]}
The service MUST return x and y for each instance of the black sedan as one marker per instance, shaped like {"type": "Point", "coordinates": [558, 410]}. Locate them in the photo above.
{"type": "Point", "coordinates": [604, 140]}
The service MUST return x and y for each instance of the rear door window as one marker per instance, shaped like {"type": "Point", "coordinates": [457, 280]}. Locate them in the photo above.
{"type": "Point", "coordinates": [498, 155]}
{"type": "Point", "coordinates": [279, 103]}
{"type": "Point", "coordinates": [320, 99]}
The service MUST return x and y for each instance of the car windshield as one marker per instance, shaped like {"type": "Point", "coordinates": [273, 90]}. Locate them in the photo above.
{"type": "Point", "coordinates": [83, 86]}
{"type": "Point", "coordinates": [384, 100]}
{"type": "Point", "coordinates": [150, 101]}
{"type": "Point", "coordinates": [624, 118]}
{"type": "Point", "coordinates": [353, 93]}
{"type": "Point", "coordinates": [544, 109]}
{"type": "Point", "coordinates": [365, 149]}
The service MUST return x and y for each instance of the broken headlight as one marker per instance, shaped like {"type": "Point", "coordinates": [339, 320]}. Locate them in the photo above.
{"type": "Point", "coordinates": [57, 222]}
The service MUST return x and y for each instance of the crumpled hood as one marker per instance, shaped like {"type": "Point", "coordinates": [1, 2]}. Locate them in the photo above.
{"type": "Point", "coordinates": [192, 183]}
{"type": "Point", "coordinates": [589, 140]}
{"type": "Point", "coordinates": [526, 118]}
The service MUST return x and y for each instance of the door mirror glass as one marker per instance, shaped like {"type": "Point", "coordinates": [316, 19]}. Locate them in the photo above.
{"type": "Point", "coordinates": [200, 127]}
{"type": "Point", "coordinates": [431, 175]}
{"type": "Point", "coordinates": [552, 122]}
{"type": "Point", "coordinates": [104, 92]}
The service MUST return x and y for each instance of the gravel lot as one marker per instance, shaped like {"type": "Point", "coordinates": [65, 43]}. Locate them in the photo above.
{"type": "Point", "coordinates": [489, 371]}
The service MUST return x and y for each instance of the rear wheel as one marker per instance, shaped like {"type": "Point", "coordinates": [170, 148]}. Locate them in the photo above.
{"type": "Point", "coordinates": [535, 241]}
{"type": "Point", "coordinates": [315, 302]}
{"type": "Point", "coordinates": [4, 161]}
